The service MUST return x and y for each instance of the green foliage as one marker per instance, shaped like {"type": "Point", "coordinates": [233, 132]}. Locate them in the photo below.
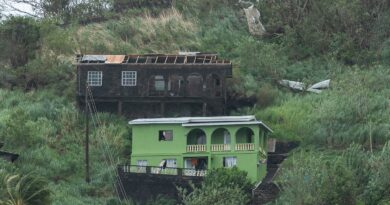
{"type": "Point", "coordinates": [342, 29]}
{"type": "Point", "coordinates": [48, 133]}
{"type": "Point", "coordinates": [355, 110]}
{"type": "Point", "coordinates": [377, 190]}
{"type": "Point", "coordinates": [314, 179]}
{"type": "Point", "coordinates": [229, 178]}
{"type": "Point", "coordinates": [216, 194]}
{"type": "Point", "coordinates": [221, 186]}
{"type": "Point", "coordinates": [354, 177]}
{"type": "Point", "coordinates": [24, 189]}
{"type": "Point", "coordinates": [20, 38]}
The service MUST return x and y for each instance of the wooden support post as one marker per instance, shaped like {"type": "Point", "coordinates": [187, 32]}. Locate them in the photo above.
{"type": "Point", "coordinates": [204, 109]}
{"type": "Point", "coordinates": [87, 177]}
{"type": "Point", "coordinates": [120, 107]}
{"type": "Point", "coordinates": [162, 109]}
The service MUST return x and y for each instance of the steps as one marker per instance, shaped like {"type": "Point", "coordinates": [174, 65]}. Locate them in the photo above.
{"type": "Point", "coordinates": [267, 190]}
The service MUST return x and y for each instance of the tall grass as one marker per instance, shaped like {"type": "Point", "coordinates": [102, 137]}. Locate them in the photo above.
{"type": "Point", "coordinates": [49, 138]}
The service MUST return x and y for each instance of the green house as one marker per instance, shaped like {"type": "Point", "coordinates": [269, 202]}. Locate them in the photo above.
{"type": "Point", "coordinates": [189, 146]}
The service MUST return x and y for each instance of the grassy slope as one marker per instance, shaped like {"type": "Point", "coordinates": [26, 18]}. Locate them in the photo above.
{"type": "Point", "coordinates": [349, 112]}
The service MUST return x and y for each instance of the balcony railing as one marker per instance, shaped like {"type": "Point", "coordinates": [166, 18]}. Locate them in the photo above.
{"type": "Point", "coordinates": [162, 171]}
{"type": "Point", "coordinates": [166, 171]}
{"type": "Point", "coordinates": [196, 148]}
{"type": "Point", "coordinates": [245, 147]}
{"type": "Point", "coordinates": [220, 147]}
{"type": "Point", "coordinates": [193, 172]}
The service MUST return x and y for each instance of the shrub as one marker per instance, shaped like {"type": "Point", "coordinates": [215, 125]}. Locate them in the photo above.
{"type": "Point", "coordinates": [221, 187]}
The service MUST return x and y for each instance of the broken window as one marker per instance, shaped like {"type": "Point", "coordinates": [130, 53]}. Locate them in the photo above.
{"type": "Point", "coordinates": [129, 78]}
{"type": "Point", "coordinates": [175, 85]}
{"type": "Point", "coordinates": [165, 135]}
{"type": "Point", "coordinates": [195, 85]}
{"type": "Point", "coordinates": [95, 78]}
{"type": "Point", "coordinates": [214, 85]}
{"type": "Point", "coordinates": [159, 83]}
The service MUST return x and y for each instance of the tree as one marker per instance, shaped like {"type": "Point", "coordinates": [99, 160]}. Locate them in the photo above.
{"type": "Point", "coordinates": [20, 39]}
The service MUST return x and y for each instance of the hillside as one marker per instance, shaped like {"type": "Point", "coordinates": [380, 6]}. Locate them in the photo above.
{"type": "Point", "coordinates": [344, 157]}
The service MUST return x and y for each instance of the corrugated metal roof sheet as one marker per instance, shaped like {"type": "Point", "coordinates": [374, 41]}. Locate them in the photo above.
{"type": "Point", "coordinates": [202, 121]}
{"type": "Point", "coordinates": [115, 58]}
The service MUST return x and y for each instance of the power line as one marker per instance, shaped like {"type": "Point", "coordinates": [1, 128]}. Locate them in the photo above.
{"type": "Point", "coordinates": [107, 153]}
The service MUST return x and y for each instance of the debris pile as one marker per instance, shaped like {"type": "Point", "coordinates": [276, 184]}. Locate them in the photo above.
{"type": "Point", "coordinates": [299, 86]}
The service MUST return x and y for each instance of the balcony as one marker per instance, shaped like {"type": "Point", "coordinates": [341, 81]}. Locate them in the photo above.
{"type": "Point", "coordinates": [196, 148]}
{"type": "Point", "coordinates": [162, 171]}
{"type": "Point", "coordinates": [196, 141]}
{"type": "Point", "coordinates": [245, 147]}
{"type": "Point", "coordinates": [220, 147]}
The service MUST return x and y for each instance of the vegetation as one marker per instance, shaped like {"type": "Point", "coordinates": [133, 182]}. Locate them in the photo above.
{"type": "Point", "coordinates": [220, 187]}
{"type": "Point", "coordinates": [344, 132]}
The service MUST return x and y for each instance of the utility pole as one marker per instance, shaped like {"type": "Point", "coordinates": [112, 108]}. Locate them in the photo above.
{"type": "Point", "coordinates": [87, 177]}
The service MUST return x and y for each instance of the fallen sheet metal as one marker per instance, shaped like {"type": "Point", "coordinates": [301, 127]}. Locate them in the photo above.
{"type": "Point", "coordinates": [93, 58]}
{"type": "Point", "coordinates": [321, 85]}
{"type": "Point", "coordinates": [293, 84]}
{"type": "Point", "coordinates": [254, 23]}
{"type": "Point", "coordinates": [316, 88]}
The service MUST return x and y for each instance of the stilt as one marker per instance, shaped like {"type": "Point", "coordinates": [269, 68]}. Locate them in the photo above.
{"type": "Point", "coordinates": [119, 107]}
{"type": "Point", "coordinates": [162, 109]}
{"type": "Point", "coordinates": [204, 109]}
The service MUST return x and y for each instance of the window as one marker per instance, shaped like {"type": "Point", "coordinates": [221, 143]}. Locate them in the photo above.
{"type": "Point", "coordinates": [142, 163]}
{"type": "Point", "coordinates": [189, 163]}
{"type": "Point", "coordinates": [94, 78]}
{"type": "Point", "coordinates": [171, 163]}
{"type": "Point", "coordinates": [229, 161]}
{"type": "Point", "coordinates": [159, 83]}
{"type": "Point", "coordinates": [165, 135]}
{"type": "Point", "coordinates": [129, 78]}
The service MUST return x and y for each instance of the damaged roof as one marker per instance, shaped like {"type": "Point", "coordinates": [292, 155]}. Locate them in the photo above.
{"type": "Point", "coordinates": [182, 58]}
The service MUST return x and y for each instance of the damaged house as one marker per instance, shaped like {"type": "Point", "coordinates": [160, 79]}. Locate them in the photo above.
{"type": "Point", "coordinates": [155, 85]}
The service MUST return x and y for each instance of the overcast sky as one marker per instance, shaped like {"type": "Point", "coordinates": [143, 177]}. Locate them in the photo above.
{"type": "Point", "coordinates": [20, 6]}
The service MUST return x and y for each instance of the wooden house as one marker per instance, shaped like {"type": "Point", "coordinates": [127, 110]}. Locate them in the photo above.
{"type": "Point", "coordinates": [155, 85]}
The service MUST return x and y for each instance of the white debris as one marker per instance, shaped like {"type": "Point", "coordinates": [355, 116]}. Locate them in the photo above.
{"type": "Point", "coordinates": [254, 23]}
{"type": "Point", "coordinates": [316, 88]}
{"type": "Point", "coordinates": [321, 85]}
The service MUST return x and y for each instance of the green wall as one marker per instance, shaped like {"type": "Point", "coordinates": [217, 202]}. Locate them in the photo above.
{"type": "Point", "coordinates": [146, 146]}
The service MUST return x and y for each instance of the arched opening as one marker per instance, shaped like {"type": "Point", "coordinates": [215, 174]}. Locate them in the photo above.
{"type": "Point", "coordinates": [196, 136]}
{"type": "Point", "coordinates": [214, 85]}
{"type": "Point", "coordinates": [220, 140]}
{"type": "Point", "coordinates": [156, 85]}
{"type": "Point", "coordinates": [196, 141]}
{"type": "Point", "coordinates": [194, 85]}
{"type": "Point", "coordinates": [175, 85]}
{"type": "Point", "coordinates": [245, 139]}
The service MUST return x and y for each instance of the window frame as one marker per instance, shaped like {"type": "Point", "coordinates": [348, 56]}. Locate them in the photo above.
{"type": "Point", "coordinates": [159, 83]}
{"type": "Point", "coordinates": [225, 164]}
{"type": "Point", "coordinates": [95, 78]}
{"type": "Point", "coordinates": [161, 136]}
{"type": "Point", "coordinates": [129, 78]}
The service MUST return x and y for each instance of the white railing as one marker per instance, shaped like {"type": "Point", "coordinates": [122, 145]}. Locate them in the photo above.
{"type": "Point", "coordinates": [245, 147]}
{"type": "Point", "coordinates": [193, 172]}
{"type": "Point", "coordinates": [166, 170]}
{"type": "Point", "coordinates": [220, 147]}
{"type": "Point", "coordinates": [134, 169]}
{"type": "Point", "coordinates": [196, 148]}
